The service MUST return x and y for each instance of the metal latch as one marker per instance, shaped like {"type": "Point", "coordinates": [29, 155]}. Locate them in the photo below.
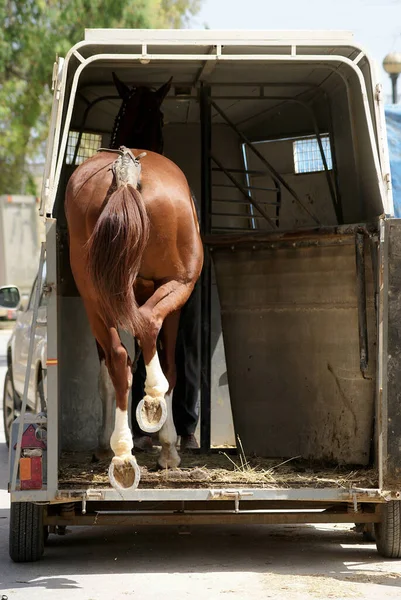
{"type": "Point", "coordinates": [47, 288]}
{"type": "Point", "coordinates": [237, 495]}
{"type": "Point", "coordinates": [90, 495]}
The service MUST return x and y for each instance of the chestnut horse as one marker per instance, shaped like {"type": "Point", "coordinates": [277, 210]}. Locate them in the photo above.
{"type": "Point", "coordinates": [136, 254]}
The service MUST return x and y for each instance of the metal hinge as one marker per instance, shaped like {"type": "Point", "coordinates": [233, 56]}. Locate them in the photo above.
{"type": "Point", "coordinates": [387, 181]}
{"type": "Point", "coordinates": [379, 92]}
{"type": "Point", "coordinates": [55, 73]}
{"type": "Point", "coordinates": [56, 76]}
{"type": "Point", "coordinates": [47, 187]}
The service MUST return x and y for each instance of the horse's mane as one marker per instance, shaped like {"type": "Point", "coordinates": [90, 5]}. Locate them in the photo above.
{"type": "Point", "coordinates": [119, 117]}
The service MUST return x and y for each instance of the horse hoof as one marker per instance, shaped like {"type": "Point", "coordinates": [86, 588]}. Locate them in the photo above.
{"type": "Point", "coordinates": [169, 459]}
{"type": "Point", "coordinates": [124, 473]}
{"type": "Point", "coordinates": [102, 454]}
{"type": "Point", "coordinates": [151, 414]}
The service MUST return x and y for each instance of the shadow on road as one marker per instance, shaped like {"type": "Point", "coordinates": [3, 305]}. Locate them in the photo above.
{"type": "Point", "coordinates": [293, 552]}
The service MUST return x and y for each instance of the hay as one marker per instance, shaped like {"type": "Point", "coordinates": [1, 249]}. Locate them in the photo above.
{"type": "Point", "coordinates": [196, 471]}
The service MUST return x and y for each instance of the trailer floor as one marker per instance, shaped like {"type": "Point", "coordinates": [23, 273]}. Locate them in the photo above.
{"type": "Point", "coordinates": [197, 471]}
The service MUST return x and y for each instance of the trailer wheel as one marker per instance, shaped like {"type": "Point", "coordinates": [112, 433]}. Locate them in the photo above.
{"type": "Point", "coordinates": [388, 531]}
{"type": "Point", "coordinates": [26, 532]}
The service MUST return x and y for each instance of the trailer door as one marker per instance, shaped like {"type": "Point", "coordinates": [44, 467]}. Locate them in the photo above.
{"type": "Point", "coordinates": [388, 426]}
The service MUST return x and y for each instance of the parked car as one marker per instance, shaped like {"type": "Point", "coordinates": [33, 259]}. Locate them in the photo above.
{"type": "Point", "coordinates": [9, 302]}
{"type": "Point", "coordinates": [17, 358]}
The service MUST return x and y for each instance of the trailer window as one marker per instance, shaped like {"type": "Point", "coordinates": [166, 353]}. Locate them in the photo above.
{"type": "Point", "coordinates": [307, 155]}
{"type": "Point", "coordinates": [88, 146]}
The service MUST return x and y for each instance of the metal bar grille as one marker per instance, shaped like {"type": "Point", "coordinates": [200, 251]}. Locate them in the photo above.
{"type": "Point", "coordinates": [81, 146]}
{"type": "Point", "coordinates": [307, 155]}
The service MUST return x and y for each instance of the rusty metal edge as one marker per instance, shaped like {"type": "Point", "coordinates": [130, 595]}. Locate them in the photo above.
{"type": "Point", "coordinates": [316, 233]}
{"type": "Point", "coordinates": [219, 518]}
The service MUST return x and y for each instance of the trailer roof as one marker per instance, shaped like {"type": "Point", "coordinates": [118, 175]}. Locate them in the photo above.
{"type": "Point", "coordinates": [254, 66]}
{"type": "Point", "coordinates": [209, 45]}
{"type": "Point", "coordinates": [298, 61]}
{"type": "Point", "coordinates": [207, 36]}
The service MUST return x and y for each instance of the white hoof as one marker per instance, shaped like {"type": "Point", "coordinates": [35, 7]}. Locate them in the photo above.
{"type": "Point", "coordinates": [169, 458]}
{"type": "Point", "coordinates": [124, 473]}
{"type": "Point", "coordinates": [151, 414]}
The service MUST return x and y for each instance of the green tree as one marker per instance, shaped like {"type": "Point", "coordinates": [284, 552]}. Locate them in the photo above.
{"type": "Point", "coordinates": [33, 32]}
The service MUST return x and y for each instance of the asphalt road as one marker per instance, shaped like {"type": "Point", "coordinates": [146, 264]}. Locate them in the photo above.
{"type": "Point", "coordinates": [210, 563]}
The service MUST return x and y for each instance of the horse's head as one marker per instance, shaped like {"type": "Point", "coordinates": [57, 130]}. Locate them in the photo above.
{"type": "Point", "coordinates": [139, 121]}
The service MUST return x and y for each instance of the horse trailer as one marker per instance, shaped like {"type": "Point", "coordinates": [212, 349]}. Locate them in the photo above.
{"type": "Point", "coordinates": [282, 138]}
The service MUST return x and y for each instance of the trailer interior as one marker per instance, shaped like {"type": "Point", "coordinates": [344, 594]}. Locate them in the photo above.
{"type": "Point", "coordinates": [283, 158]}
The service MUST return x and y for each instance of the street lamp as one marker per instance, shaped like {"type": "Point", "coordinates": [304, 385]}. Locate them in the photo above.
{"type": "Point", "coordinates": [392, 65]}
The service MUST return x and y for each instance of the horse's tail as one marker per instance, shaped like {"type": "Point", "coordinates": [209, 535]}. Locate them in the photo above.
{"type": "Point", "coordinates": [115, 250]}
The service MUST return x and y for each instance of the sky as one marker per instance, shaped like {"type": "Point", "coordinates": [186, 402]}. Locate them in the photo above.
{"type": "Point", "coordinates": [376, 24]}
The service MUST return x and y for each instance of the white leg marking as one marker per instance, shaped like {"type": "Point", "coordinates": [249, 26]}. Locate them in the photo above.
{"type": "Point", "coordinates": [121, 444]}
{"type": "Point", "coordinates": [151, 412]}
{"type": "Point", "coordinates": [169, 456]}
{"type": "Point", "coordinates": [121, 439]}
{"type": "Point", "coordinates": [156, 383]}
{"type": "Point", "coordinates": [108, 398]}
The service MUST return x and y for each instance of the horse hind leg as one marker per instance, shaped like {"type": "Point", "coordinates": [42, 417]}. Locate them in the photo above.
{"type": "Point", "coordinates": [163, 307]}
{"type": "Point", "coordinates": [108, 398]}
{"type": "Point", "coordinates": [168, 456]}
{"type": "Point", "coordinates": [123, 471]}
{"type": "Point", "coordinates": [158, 383]}
{"type": "Point", "coordinates": [156, 407]}
{"type": "Point", "coordinates": [165, 302]}
{"type": "Point", "coordinates": [151, 412]}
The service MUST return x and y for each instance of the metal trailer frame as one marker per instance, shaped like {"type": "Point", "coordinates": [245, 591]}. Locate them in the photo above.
{"type": "Point", "coordinates": [207, 505]}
